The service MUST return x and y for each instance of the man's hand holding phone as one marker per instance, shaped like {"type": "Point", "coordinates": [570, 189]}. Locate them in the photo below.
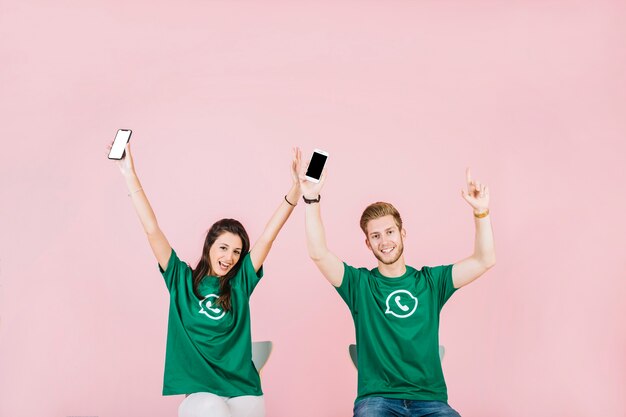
{"type": "Point", "coordinates": [316, 165]}
{"type": "Point", "coordinates": [313, 176]}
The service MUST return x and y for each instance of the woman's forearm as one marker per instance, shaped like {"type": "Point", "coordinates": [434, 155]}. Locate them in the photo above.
{"type": "Point", "coordinates": [142, 205]}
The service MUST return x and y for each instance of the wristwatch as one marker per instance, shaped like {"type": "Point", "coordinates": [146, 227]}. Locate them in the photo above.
{"type": "Point", "coordinates": [306, 200]}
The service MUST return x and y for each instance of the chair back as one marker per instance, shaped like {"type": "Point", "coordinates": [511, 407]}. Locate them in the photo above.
{"type": "Point", "coordinates": [260, 353]}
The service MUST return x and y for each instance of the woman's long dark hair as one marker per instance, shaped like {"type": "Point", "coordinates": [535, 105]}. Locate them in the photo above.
{"type": "Point", "coordinates": [204, 265]}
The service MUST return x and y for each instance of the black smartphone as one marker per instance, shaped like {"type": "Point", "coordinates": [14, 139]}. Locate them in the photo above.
{"type": "Point", "coordinates": [119, 144]}
{"type": "Point", "coordinates": [316, 166]}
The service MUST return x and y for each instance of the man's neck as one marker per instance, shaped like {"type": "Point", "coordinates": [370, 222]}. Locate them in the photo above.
{"type": "Point", "coordinates": [394, 270]}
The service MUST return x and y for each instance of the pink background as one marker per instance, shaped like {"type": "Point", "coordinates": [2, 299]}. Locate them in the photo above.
{"type": "Point", "coordinates": [404, 95]}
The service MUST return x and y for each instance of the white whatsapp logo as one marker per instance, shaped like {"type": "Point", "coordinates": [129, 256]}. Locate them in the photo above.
{"type": "Point", "coordinates": [209, 309]}
{"type": "Point", "coordinates": [401, 304]}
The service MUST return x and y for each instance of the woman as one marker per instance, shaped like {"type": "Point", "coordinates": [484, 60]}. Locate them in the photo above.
{"type": "Point", "coordinates": [209, 349]}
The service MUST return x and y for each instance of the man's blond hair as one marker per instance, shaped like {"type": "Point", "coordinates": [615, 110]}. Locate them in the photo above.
{"type": "Point", "coordinates": [379, 209]}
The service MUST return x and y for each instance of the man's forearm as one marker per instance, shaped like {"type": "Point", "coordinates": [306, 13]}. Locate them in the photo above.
{"type": "Point", "coordinates": [315, 234]}
{"type": "Point", "coordinates": [484, 249]}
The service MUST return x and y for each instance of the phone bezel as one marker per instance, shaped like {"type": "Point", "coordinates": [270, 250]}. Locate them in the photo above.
{"type": "Point", "coordinates": [130, 133]}
{"type": "Point", "coordinates": [321, 152]}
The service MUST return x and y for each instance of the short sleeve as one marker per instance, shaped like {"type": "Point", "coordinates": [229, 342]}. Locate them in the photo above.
{"type": "Point", "coordinates": [176, 272]}
{"type": "Point", "coordinates": [248, 277]}
{"type": "Point", "coordinates": [441, 277]}
{"type": "Point", "coordinates": [349, 284]}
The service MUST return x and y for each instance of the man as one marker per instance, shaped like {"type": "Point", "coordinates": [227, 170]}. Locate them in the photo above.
{"type": "Point", "coordinates": [395, 307]}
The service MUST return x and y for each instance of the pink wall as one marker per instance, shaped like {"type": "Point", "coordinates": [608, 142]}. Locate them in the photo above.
{"type": "Point", "coordinates": [404, 95]}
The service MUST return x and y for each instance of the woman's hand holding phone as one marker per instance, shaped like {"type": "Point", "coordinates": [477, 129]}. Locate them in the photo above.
{"type": "Point", "coordinates": [119, 151]}
{"type": "Point", "coordinates": [126, 164]}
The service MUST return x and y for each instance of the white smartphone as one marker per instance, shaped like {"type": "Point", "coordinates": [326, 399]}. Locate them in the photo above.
{"type": "Point", "coordinates": [119, 144]}
{"type": "Point", "coordinates": [316, 166]}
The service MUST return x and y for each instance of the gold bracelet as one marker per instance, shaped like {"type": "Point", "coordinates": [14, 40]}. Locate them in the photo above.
{"type": "Point", "coordinates": [481, 215]}
{"type": "Point", "coordinates": [136, 191]}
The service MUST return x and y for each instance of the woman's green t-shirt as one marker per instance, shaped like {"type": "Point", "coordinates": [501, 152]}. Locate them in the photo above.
{"type": "Point", "coordinates": [209, 349]}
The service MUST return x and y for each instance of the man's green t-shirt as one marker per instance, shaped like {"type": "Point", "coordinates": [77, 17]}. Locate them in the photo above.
{"type": "Point", "coordinates": [209, 349]}
{"type": "Point", "coordinates": [397, 330]}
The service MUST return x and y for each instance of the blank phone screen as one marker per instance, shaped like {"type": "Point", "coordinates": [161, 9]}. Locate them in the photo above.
{"type": "Point", "coordinates": [117, 150]}
{"type": "Point", "coordinates": [316, 166]}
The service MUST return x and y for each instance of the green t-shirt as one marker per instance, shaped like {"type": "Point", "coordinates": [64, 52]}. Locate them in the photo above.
{"type": "Point", "coordinates": [397, 330]}
{"type": "Point", "coordinates": [209, 349]}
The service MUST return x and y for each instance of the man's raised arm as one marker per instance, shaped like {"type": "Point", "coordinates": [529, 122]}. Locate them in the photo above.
{"type": "Point", "coordinates": [484, 256]}
{"type": "Point", "coordinates": [327, 262]}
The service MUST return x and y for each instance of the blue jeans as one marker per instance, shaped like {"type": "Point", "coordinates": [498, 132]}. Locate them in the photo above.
{"type": "Point", "coordinates": [391, 407]}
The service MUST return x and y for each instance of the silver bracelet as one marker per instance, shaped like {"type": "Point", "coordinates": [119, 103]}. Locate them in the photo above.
{"type": "Point", "coordinates": [136, 191]}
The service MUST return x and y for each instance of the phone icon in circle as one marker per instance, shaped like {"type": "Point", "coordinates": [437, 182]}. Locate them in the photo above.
{"type": "Point", "coordinates": [210, 308]}
{"type": "Point", "coordinates": [402, 306]}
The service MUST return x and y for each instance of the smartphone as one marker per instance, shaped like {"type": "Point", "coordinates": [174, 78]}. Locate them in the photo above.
{"type": "Point", "coordinates": [316, 166]}
{"type": "Point", "coordinates": [119, 144]}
